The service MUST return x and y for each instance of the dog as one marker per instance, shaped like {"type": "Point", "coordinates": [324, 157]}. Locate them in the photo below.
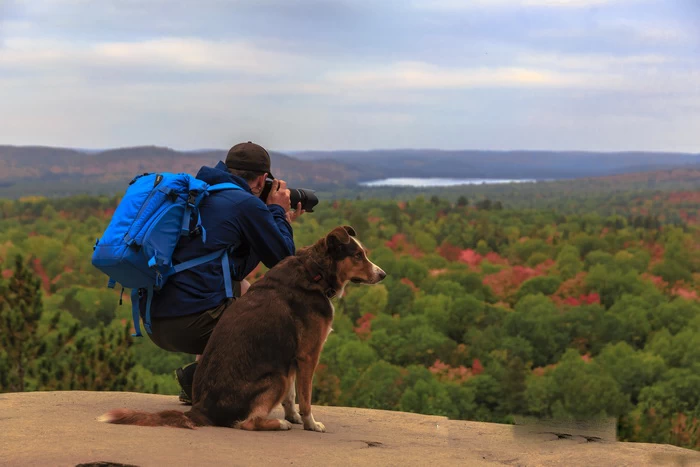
{"type": "Point", "coordinates": [268, 343]}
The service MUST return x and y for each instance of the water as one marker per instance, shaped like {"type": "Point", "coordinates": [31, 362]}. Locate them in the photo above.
{"type": "Point", "coordinates": [430, 182]}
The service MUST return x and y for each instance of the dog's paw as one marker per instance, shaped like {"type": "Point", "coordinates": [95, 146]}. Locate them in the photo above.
{"type": "Point", "coordinates": [316, 426]}
{"type": "Point", "coordinates": [294, 418]}
{"type": "Point", "coordinates": [285, 425]}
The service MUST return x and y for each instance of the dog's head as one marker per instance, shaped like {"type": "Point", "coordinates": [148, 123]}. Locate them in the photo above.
{"type": "Point", "coordinates": [350, 258]}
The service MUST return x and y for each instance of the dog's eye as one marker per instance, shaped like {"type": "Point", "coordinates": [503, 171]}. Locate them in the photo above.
{"type": "Point", "coordinates": [358, 255]}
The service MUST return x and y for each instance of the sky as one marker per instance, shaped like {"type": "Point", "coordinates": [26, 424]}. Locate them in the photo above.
{"type": "Point", "coordinates": [597, 75]}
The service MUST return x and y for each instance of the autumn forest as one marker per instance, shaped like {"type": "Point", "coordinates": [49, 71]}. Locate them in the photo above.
{"type": "Point", "coordinates": [577, 299]}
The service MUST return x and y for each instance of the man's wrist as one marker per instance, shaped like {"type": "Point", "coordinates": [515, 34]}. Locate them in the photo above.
{"type": "Point", "coordinates": [276, 207]}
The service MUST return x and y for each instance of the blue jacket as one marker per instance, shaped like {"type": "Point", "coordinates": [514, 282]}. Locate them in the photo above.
{"type": "Point", "coordinates": [237, 218]}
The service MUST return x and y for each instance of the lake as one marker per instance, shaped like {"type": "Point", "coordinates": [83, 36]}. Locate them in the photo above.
{"type": "Point", "coordinates": [430, 182]}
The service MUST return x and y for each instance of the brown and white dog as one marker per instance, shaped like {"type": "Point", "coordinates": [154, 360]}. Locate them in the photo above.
{"type": "Point", "coordinates": [268, 340]}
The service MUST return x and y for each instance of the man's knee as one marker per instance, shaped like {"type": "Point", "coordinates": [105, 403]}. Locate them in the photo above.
{"type": "Point", "coordinates": [244, 286]}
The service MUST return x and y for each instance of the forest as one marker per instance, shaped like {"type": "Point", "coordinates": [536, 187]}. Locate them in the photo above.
{"type": "Point", "coordinates": [584, 305]}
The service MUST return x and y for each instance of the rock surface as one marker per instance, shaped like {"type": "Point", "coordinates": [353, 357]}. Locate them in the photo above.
{"type": "Point", "coordinates": [60, 429]}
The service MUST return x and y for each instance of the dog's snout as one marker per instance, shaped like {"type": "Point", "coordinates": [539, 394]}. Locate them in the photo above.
{"type": "Point", "coordinates": [381, 274]}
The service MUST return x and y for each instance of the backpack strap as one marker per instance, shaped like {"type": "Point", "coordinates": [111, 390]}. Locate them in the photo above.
{"type": "Point", "coordinates": [223, 186]}
{"type": "Point", "coordinates": [136, 316]}
{"type": "Point", "coordinates": [227, 274]}
{"type": "Point", "coordinates": [193, 201]}
{"type": "Point", "coordinates": [228, 283]}
{"type": "Point", "coordinates": [225, 265]}
{"type": "Point", "coordinates": [196, 261]}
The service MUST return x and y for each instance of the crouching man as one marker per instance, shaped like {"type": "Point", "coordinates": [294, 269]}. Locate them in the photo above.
{"type": "Point", "coordinates": [185, 311]}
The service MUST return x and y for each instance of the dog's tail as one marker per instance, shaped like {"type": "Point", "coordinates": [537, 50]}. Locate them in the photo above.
{"type": "Point", "coordinates": [173, 418]}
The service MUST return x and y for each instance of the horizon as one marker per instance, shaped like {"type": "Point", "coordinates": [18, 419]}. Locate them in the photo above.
{"type": "Point", "coordinates": [330, 75]}
{"type": "Point", "coordinates": [389, 149]}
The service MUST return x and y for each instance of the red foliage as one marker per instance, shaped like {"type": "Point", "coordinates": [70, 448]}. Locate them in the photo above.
{"type": "Point", "coordinates": [582, 299]}
{"type": "Point", "coordinates": [409, 282]}
{"type": "Point", "coordinates": [400, 244]}
{"type": "Point", "coordinates": [445, 372]}
{"type": "Point", "coordinates": [396, 242]}
{"type": "Point", "coordinates": [506, 282]}
{"type": "Point", "coordinates": [373, 220]}
{"type": "Point", "coordinates": [684, 197]}
{"type": "Point", "coordinates": [541, 370]}
{"type": "Point", "coordinates": [449, 252]}
{"type": "Point", "coordinates": [657, 281]}
{"type": "Point", "coordinates": [471, 257]}
{"type": "Point", "coordinates": [655, 250]}
{"type": "Point", "coordinates": [685, 293]}
{"type": "Point", "coordinates": [477, 367]}
{"type": "Point", "coordinates": [495, 258]}
{"type": "Point", "coordinates": [6, 273]}
{"type": "Point", "coordinates": [39, 270]}
{"type": "Point", "coordinates": [364, 326]}
{"type": "Point", "coordinates": [574, 287]}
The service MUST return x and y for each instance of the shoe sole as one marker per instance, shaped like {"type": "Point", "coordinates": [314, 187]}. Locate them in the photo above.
{"type": "Point", "coordinates": [183, 395]}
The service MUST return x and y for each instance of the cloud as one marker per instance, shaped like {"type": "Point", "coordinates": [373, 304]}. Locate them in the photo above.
{"type": "Point", "coordinates": [318, 73]}
{"type": "Point", "coordinates": [182, 55]}
{"type": "Point", "coordinates": [457, 5]}
{"type": "Point", "coordinates": [420, 75]}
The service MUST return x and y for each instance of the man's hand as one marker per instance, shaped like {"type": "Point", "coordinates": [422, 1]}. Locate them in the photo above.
{"type": "Point", "coordinates": [293, 215]}
{"type": "Point", "coordinates": [279, 194]}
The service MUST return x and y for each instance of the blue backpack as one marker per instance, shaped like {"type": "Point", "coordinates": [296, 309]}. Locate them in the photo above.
{"type": "Point", "coordinates": [136, 248]}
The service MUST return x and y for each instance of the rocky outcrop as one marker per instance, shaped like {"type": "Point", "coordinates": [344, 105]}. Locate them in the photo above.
{"type": "Point", "coordinates": [60, 429]}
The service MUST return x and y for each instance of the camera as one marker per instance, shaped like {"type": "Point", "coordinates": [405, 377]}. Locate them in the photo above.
{"type": "Point", "coordinates": [307, 198]}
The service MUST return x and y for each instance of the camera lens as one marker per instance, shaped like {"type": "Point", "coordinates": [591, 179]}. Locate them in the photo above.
{"type": "Point", "coordinates": [307, 198]}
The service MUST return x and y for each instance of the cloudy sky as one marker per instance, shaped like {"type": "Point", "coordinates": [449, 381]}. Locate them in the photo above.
{"type": "Point", "coordinates": [352, 74]}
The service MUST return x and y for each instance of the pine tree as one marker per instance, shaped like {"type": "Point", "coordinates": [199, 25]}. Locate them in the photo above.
{"type": "Point", "coordinates": [20, 311]}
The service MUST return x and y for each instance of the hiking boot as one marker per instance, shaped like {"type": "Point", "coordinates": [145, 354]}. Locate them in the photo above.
{"type": "Point", "coordinates": [184, 398]}
{"type": "Point", "coordinates": [185, 377]}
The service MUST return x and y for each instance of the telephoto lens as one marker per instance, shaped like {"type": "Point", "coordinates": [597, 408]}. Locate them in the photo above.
{"type": "Point", "coordinates": [306, 197]}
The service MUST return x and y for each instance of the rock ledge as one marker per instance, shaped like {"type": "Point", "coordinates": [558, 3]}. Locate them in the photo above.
{"type": "Point", "coordinates": [60, 429]}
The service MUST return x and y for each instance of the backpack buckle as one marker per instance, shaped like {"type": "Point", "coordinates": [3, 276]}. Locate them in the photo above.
{"type": "Point", "coordinates": [191, 198]}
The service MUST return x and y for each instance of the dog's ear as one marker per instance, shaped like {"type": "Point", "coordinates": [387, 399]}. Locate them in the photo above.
{"type": "Point", "coordinates": [336, 239]}
{"type": "Point", "coordinates": [350, 231]}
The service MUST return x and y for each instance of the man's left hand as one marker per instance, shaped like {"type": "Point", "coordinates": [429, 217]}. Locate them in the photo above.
{"type": "Point", "coordinates": [295, 214]}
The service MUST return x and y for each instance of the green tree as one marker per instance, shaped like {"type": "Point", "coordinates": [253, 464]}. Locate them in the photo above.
{"type": "Point", "coordinates": [20, 312]}
{"type": "Point", "coordinates": [536, 319]}
{"type": "Point", "coordinates": [632, 369]}
{"type": "Point", "coordinates": [545, 285]}
{"type": "Point", "coordinates": [569, 262]}
{"type": "Point", "coordinates": [379, 387]}
{"type": "Point", "coordinates": [425, 394]}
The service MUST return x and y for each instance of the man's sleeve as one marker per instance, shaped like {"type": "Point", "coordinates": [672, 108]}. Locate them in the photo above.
{"type": "Point", "coordinates": [267, 231]}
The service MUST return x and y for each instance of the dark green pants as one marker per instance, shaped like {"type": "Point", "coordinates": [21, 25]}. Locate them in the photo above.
{"type": "Point", "coordinates": [190, 333]}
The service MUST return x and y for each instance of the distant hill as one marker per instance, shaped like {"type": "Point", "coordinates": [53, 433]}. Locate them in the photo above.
{"type": "Point", "coordinates": [502, 164]}
{"type": "Point", "coordinates": [36, 170]}
{"type": "Point", "coordinates": [31, 170]}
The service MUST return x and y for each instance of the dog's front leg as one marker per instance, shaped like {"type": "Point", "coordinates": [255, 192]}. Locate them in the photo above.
{"type": "Point", "coordinates": [305, 376]}
{"type": "Point", "coordinates": [291, 414]}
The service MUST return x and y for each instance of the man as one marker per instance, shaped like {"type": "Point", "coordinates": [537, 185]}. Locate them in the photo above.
{"type": "Point", "coordinates": [185, 311]}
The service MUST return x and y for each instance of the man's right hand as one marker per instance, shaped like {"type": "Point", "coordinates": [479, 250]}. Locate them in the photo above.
{"type": "Point", "coordinates": [279, 194]}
